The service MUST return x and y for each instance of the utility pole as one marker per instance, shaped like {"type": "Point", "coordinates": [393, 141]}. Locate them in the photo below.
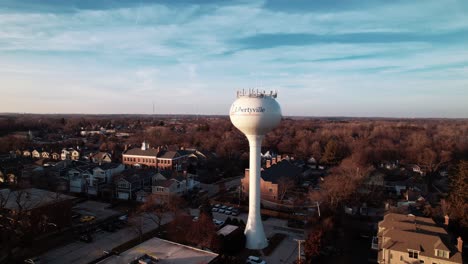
{"type": "Point", "coordinates": [299, 241]}
{"type": "Point", "coordinates": [240, 190]}
{"type": "Point", "coordinates": [318, 207]}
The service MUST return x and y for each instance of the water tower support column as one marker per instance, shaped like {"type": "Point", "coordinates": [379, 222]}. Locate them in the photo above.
{"type": "Point", "coordinates": [254, 230]}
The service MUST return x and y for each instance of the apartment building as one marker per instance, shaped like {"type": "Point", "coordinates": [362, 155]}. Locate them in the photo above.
{"type": "Point", "coordinates": [413, 239]}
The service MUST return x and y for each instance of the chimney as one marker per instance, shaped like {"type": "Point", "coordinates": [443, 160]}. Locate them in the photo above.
{"type": "Point", "coordinates": [268, 163]}
{"type": "Point", "coordinates": [273, 161]}
{"type": "Point", "coordinates": [447, 220]}
{"type": "Point", "coordinates": [247, 173]}
{"type": "Point", "coordinates": [279, 158]}
{"type": "Point", "coordinates": [459, 244]}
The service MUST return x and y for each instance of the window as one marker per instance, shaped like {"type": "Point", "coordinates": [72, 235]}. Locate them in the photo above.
{"type": "Point", "coordinates": [401, 258]}
{"type": "Point", "coordinates": [413, 253]}
{"type": "Point", "coordinates": [270, 190]}
{"type": "Point", "coordinates": [442, 253]}
{"type": "Point", "coordinates": [421, 261]}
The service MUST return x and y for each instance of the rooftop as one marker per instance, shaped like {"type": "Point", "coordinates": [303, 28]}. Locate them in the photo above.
{"type": "Point", "coordinates": [166, 252]}
{"type": "Point", "coordinates": [29, 199]}
{"type": "Point", "coordinates": [403, 232]}
{"type": "Point", "coordinates": [140, 152]}
{"type": "Point", "coordinates": [282, 169]}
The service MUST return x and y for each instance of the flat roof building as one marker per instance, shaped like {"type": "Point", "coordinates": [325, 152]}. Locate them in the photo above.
{"type": "Point", "coordinates": [161, 251]}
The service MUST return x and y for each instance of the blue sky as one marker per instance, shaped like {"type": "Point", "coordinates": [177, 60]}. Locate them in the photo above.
{"type": "Point", "coordinates": [326, 58]}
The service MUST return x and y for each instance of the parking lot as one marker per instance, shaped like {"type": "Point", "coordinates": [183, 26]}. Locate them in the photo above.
{"type": "Point", "coordinates": [82, 252]}
{"type": "Point", "coordinates": [286, 251]}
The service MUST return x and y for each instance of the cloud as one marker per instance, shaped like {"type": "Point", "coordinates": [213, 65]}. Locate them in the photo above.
{"type": "Point", "coordinates": [337, 57]}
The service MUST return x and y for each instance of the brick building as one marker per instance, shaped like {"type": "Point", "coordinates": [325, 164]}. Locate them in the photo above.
{"type": "Point", "coordinates": [155, 157]}
{"type": "Point", "coordinates": [276, 177]}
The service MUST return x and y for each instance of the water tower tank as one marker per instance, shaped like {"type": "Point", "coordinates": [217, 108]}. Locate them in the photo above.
{"type": "Point", "coordinates": [255, 113]}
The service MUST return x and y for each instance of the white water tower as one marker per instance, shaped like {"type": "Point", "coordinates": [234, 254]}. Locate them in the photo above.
{"type": "Point", "coordinates": [255, 113]}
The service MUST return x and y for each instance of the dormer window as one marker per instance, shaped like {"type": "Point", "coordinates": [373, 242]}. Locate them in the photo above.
{"type": "Point", "coordinates": [413, 253]}
{"type": "Point", "coordinates": [442, 253]}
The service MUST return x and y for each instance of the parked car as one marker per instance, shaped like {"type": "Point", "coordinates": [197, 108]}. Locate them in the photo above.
{"type": "Point", "coordinates": [224, 207]}
{"type": "Point", "coordinates": [255, 260]}
{"type": "Point", "coordinates": [227, 212]}
{"type": "Point", "coordinates": [86, 238]}
{"type": "Point", "coordinates": [230, 208]}
{"type": "Point", "coordinates": [87, 218]}
{"type": "Point", "coordinates": [217, 205]}
{"type": "Point", "coordinates": [218, 223]}
{"type": "Point", "coordinates": [235, 213]}
{"type": "Point", "coordinates": [215, 209]}
{"type": "Point", "coordinates": [35, 260]}
{"type": "Point", "coordinates": [221, 211]}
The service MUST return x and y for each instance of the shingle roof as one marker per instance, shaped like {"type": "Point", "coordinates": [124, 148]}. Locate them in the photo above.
{"type": "Point", "coordinates": [164, 183]}
{"type": "Point", "coordinates": [168, 155]}
{"type": "Point", "coordinates": [405, 232]}
{"type": "Point", "coordinates": [31, 198]}
{"type": "Point", "coordinates": [140, 152]}
{"type": "Point", "coordinates": [282, 169]}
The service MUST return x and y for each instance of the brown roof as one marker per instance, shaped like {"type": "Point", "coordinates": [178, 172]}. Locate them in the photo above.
{"type": "Point", "coordinates": [140, 152]}
{"type": "Point", "coordinates": [164, 183]}
{"type": "Point", "coordinates": [403, 232]}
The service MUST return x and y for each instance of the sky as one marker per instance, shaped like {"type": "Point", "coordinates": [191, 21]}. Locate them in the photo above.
{"type": "Point", "coordinates": [360, 58]}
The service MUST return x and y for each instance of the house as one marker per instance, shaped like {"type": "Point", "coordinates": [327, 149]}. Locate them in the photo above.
{"type": "Point", "coordinates": [55, 156]}
{"type": "Point", "coordinates": [412, 239]}
{"type": "Point", "coordinates": [26, 153]}
{"type": "Point", "coordinates": [79, 176]}
{"type": "Point", "coordinates": [129, 182]}
{"type": "Point", "coordinates": [167, 183]}
{"type": "Point", "coordinates": [36, 154]}
{"type": "Point", "coordinates": [102, 175]}
{"type": "Point", "coordinates": [7, 176]}
{"type": "Point", "coordinates": [40, 206]}
{"type": "Point", "coordinates": [65, 155]}
{"type": "Point", "coordinates": [101, 157]}
{"type": "Point", "coordinates": [75, 154]}
{"type": "Point", "coordinates": [415, 168]}
{"type": "Point", "coordinates": [45, 155]}
{"type": "Point", "coordinates": [164, 189]}
{"type": "Point", "coordinates": [275, 179]}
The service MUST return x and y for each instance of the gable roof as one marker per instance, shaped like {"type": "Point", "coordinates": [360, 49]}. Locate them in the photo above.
{"type": "Point", "coordinates": [164, 183]}
{"type": "Point", "coordinates": [405, 232]}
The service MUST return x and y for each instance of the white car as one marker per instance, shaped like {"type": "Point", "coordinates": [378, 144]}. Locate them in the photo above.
{"type": "Point", "coordinates": [254, 260]}
{"type": "Point", "coordinates": [218, 222]}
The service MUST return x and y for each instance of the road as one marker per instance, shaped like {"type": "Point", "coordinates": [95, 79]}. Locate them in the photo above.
{"type": "Point", "coordinates": [286, 251]}
{"type": "Point", "coordinates": [80, 252]}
